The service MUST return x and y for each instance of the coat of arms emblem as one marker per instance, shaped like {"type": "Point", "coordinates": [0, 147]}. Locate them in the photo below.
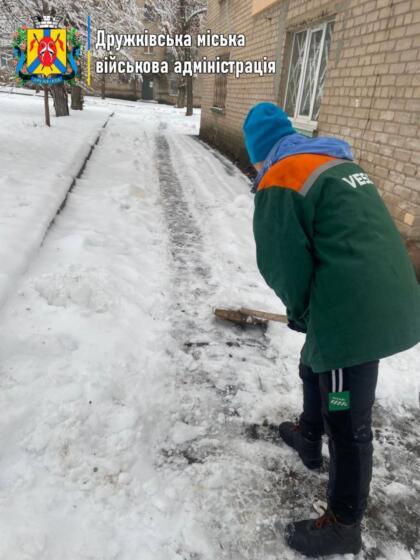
{"type": "Point", "coordinates": [46, 53]}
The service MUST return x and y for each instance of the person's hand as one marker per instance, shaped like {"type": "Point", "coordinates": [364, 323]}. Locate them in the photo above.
{"type": "Point", "coordinates": [295, 326]}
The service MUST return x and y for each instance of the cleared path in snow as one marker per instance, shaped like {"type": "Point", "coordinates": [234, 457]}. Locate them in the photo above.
{"type": "Point", "coordinates": [131, 420]}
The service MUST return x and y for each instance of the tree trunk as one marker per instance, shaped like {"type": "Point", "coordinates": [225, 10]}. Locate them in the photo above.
{"type": "Point", "coordinates": [186, 56]}
{"type": "Point", "coordinates": [181, 97]}
{"type": "Point", "coordinates": [136, 88]}
{"type": "Point", "coordinates": [61, 102]}
{"type": "Point", "coordinates": [103, 87]}
{"type": "Point", "coordinates": [46, 107]}
{"type": "Point", "coordinates": [190, 97]}
{"type": "Point", "coordinates": [76, 98]}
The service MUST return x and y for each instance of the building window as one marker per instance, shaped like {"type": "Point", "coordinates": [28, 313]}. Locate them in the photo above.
{"type": "Point", "coordinates": [307, 71]}
{"type": "Point", "coordinates": [4, 59]}
{"type": "Point", "coordinates": [173, 85]}
{"type": "Point", "coordinates": [220, 86]}
{"type": "Point", "coordinates": [124, 78]}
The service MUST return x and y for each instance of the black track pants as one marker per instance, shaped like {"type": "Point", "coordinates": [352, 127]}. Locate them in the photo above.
{"type": "Point", "coordinates": [349, 432]}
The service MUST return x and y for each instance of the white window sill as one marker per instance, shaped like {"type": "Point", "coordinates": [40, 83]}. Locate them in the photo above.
{"type": "Point", "coordinates": [307, 127]}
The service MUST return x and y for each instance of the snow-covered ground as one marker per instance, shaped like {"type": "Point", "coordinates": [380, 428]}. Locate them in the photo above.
{"type": "Point", "coordinates": [37, 167]}
{"type": "Point", "coordinates": [133, 426]}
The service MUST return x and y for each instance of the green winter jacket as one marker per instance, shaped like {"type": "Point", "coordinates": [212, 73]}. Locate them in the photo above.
{"type": "Point", "coordinates": [328, 247]}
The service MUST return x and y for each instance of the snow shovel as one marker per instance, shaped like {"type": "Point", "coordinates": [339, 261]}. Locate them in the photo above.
{"type": "Point", "coordinates": [250, 317]}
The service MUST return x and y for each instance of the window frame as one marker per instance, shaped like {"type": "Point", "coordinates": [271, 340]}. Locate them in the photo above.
{"type": "Point", "coordinates": [5, 59]}
{"type": "Point", "coordinates": [303, 121]}
{"type": "Point", "coordinates": [219, 80]}
{"type": "Point", "coordinates": [173, 92]}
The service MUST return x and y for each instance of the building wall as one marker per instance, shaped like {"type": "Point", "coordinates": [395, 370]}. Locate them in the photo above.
{"type": "Point", "coordinates": [132, 89]}
{"type": "Point", "coordinates": [372, 90]}
{"type": "Point", "coordinates": [125, 86]}
{"type": "Point", "coordinates": [163, 93]}
{"type": "Point", "coordinates": [372, 98]}
{"type": "Point", "coordinates": [264, 37]}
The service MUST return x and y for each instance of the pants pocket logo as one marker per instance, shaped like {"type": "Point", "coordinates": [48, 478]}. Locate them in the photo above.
{"type": "Point", "coordinates": [339, 401]}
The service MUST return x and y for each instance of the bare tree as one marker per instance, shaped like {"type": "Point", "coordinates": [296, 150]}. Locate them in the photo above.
{"type": "Point", "coordinates": [115, 16]}
{"type": "Point", "coordinates": [184, 17]}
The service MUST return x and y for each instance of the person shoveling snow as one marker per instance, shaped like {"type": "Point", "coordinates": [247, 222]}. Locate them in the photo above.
{"type": "Point", "coordinates": [328, 247]}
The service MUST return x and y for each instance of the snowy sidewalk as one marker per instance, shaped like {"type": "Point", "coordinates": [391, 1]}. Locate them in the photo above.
{"type": "Point", "coordinates": [37, 167]}
{"type": "Point", "coordinates": [133, 425]}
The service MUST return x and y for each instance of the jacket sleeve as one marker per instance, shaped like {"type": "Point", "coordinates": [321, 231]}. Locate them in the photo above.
{"type": "Point", "coordinates": [282, 230]}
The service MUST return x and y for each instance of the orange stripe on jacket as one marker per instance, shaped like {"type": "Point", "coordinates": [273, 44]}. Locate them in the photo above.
{"type": "Point", "coordinates": [292, 172]}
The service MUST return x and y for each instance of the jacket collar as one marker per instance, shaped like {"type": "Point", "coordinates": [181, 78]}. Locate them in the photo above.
{"type": "Point", "coordinates": [295, 144]}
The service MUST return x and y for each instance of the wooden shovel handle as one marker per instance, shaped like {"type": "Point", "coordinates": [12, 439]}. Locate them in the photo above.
{"type": "Point", "coordinates": [235, 316]}
{"type": "Point", "coordinates": [249, 316]}
{"type": "Point", "coordinates": [265, 315]}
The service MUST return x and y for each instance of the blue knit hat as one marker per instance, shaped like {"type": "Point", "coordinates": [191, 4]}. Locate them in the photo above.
{"type": "Point", "coordinates": [263, 127]}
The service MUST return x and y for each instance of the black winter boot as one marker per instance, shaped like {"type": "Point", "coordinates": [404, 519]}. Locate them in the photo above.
{"type": "Point", "coordinates": [324, 536]}
{"type": "Point", "coordinates": [309, 451]}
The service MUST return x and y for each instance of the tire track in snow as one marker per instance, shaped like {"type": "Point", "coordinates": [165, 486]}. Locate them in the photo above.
{"type": "Point", "coordinates": [79, 174]}
{"type": "Point", "coordinates": [185, 237]}
{"type": "Point", "coordinates": [193, 284]}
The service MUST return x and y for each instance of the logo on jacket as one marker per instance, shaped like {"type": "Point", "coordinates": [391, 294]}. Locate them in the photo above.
{"type": "Point", "coordinates": [357, 180]}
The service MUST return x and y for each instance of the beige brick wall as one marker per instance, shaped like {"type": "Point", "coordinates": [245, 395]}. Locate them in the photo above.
{"type": "Point", "coordinates": [372, 98]}
{"type": "Point", "coordinates": [372, 90]}
{"type": "Point", "coordinates": [262, 33]}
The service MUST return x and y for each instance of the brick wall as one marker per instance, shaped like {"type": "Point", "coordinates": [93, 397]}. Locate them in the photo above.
{"type": "Point", "coordinates": [262, 33]}
{"type": "Point", "coordinates": [372, 90]}
{"type": "Point", "coordinates": [372, 98]}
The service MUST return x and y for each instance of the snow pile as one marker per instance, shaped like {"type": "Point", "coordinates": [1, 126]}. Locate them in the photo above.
{"type": "Point", "coordinates": [90, 289]}
{"type": "Point", "coordinates": [38, 165]}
